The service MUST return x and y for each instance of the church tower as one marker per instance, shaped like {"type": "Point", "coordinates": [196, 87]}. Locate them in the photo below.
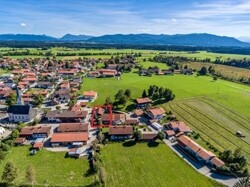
{"type": "Point", "coordinates": [19, 99]}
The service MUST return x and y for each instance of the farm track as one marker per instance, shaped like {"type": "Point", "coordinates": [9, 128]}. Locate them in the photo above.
{"type": "Point", "coordinates": [212, 120]}
{"type": "Point", "coordinates": [180, 114]}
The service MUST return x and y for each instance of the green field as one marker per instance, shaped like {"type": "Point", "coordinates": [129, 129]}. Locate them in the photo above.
{"type": "Point", "coordinates": [230, 94]}
{"type": "Point", "coordinates": [216, 123]}
{"type": "Point", "coordinates": [140, 165]}
{"type": "Point", "coordinates": [50, 168]}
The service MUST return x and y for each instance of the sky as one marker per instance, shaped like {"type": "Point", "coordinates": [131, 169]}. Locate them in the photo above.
{"type": "Point", "coordinates": [98, 17]}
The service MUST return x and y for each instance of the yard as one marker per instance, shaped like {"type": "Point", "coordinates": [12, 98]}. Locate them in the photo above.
{"type": "Point", "coordinates": [150, 166]}
{"type": "Point", "coordinates": [50, 168]}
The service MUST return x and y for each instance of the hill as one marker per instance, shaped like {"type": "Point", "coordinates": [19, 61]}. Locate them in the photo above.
{"type": "Point", "coordinates": [70, 37]}
{"type": "Point", "coordinates": [207, 40]}
{"type": "Point", "coordinates": [26, 37]}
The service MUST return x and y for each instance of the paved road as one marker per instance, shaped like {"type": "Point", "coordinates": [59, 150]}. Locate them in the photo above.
{"type": "Point", "coordinates": [201, 168]}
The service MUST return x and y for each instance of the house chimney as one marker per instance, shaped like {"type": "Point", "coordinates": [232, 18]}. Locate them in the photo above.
{"type": "Point", "coordinates": [19, 99]}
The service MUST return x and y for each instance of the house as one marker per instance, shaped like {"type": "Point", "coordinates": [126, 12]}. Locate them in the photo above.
{"type": "Point", "coordinates": [66, 73]}
{"type": "Point", "coordinates": [116, 119]}
{"type": "Point", "coordinates": [143, 102]}
{"type": "Point", "coordinates": [66, 116]}
{"type": "Point", "coordinates": [72, 127]}
{"type": "Point", "coordinates": [76, 107]}
{"type": "Point", "coordinates": [199, 152]}
{"type": "Point", "coordinates": [170, 133]}
{"type": "Point", "coordinates": [148, 136]}
{"type": "Point", "coordinates": [5, 92]}
{"type": "Point", "coordinates": [120, 132]}
{"type": "Point", "coordinates": [107, 72]}
{"type": "Point", "coordinates": [69, 139]}
{"type": "Point", "coordinates": [38, 144]}
{"type": "Point", "coordinates": [138, 113]}
{"type": "Point", "coordinates": [131, 121]}
{"type": "Point", "coordinates": [35, 131]}
{"type": "Point", "coordinates": [179, 126]}
{"type": "Point", "coordinates": [62, 96]}
{"type": "Point", "coordinates": [90, 95]}
{"type": "Point", "coordinates": [45, 85]}
{"type": "Point", "coordinates": [20, 141]}
{"type": "Point", "coordinates": [74, 152]}
{"type": "Point", "coordinates": [155, 113]}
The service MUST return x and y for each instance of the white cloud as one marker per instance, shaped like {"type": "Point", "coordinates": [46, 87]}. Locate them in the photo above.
{"type": "Point", "coordinates": [145, 30]}
{"type": "Point", "coordinates": [23, 24]}
{"type": "Point", "coordinates": [174, 20]}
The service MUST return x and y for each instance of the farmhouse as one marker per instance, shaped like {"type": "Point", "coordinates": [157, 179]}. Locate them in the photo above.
{"type": "Point", "coordinates": [67, 116]}
{"type": "Point", "coordinates": [179, 126]}
{"type": "Point", "coordinates": [116, 118]}
{"type": "Point", "coordinates": [143, 102]}
{"type": "Point", "coordinates": [72, 127]}
{"type": "Point", "coordinates": [90, 95]}
{"type": "Point", "coordinates": [70, 138]}
{"type": "Point", "coordinates": [148, 136]}
{"type": "Point", "coordinates": [35, 131]}
{"type": "Point", "coordinates": [155, 113]}
{"type": "Point", "coordinates": [120, 132]}
{"type": "Point", "coordinates": [199, 152]}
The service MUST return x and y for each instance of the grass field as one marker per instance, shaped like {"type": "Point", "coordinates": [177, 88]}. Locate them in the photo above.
{"type": "Point", "coordinates": [50, 168]}
{"type": "Point", "coordinates": [230, 94]}
{"type": "Point", "coordinates": [216, 123]}
{"type": "Point", "coordinates": [141, 165]}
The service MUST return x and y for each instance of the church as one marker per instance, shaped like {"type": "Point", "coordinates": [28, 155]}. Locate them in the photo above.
{"type": "Point", "coordinates": [20, 112]}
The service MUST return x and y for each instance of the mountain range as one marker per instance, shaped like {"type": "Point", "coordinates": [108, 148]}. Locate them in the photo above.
{"type": "Point", "coordinates": [207, 40]}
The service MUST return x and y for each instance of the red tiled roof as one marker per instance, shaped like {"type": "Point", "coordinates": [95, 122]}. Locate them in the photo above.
{"type": "Point", "coordinates": [217, 162]}
{"type": "Point", "coordinates": [138, 112]}
{"type": "Point", "coordinates": [181, 126]}
{"type": "Point", "coordinates": [143, 100]}
{"type": "Point", "coordinates": [90, 93]}
{"type": "Point", "coordinates": [203, 153]}
{"type": "Point", "coordinates": [148, 135]}
{"type": "Point", "coordinates": [20, 140]}
{"type": "Point", "coordinates": [73, 127]}
{"type": "Point", "coordinates": [35, 130]}
{"type": "Point", "coordinates": [121, 130]}
{"type": "Point", "coordinates": [156, 111]}
{"type": "Point", "coordinates": [38, 145]}
{"type": "Point", "coordinates": [170, 132]}
{"type": "Point", "coordinates": [69, 137]}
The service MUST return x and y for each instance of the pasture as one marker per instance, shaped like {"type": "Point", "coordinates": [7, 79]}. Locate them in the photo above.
{"type": "Point", "coordinates": [151, 166]}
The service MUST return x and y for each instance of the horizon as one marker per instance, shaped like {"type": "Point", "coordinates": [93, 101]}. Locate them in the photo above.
{"type": "Point", "coordinates": [97, 18]}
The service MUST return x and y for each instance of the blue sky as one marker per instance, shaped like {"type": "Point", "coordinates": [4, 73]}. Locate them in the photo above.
{"type": "Point", "coordinates": [98, 17]}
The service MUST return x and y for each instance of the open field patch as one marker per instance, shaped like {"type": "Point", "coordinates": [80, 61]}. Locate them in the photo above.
{"type": "Point", "coordinates": [150, 166]}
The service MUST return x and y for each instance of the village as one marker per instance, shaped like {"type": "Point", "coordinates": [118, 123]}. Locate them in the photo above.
{"type": "Point", "coordinates": [43, 100]}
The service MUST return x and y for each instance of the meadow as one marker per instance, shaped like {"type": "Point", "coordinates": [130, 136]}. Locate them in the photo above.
{"type": "Point", "coordinates": [151, 166]}
{"type": "Point", "coordinates": [51, 168]}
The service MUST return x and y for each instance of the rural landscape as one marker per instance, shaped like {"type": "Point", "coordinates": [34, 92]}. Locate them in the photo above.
{"type": "Point", "coordinates": [124, 93]}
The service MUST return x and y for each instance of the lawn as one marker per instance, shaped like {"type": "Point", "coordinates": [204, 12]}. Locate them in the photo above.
{"type": "Point", "coordinates": [140, 165]}
{"type": "Point", "coordinates": [50, 168]}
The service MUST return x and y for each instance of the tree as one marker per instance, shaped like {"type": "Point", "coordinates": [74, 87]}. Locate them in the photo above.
{"type": "Point", "coordinates": [137, 135]}
{"type": "Point", "coordinates": [30, 175]}
{"type": "Point", "coordinates": [160, 135]}
{"type": "Point", "coordinates": [108, 101]}
{"type": "Point", "coordinates": [119, 95]}
{"type": "Point", "coordinates": [9, 172]}
{"type": "Point", "coordinates": [38, 99]}
{"type": "Point", "coordinates": [214, 78]}
{"type": "Point", "coordinates": [243, 182]}
{"type": "Point", "coordinates": [11, 99]}
{"type": "Point", "coordinates": [203, 71]}
{"type": "Point", "coordinates": [127, 93]}
{"type": "Point", "coordinates": [14, 134]}
{"type": "Point", "coordinates": [144, 93]}
{"type": "Point", "coordinates": [123, 100]}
